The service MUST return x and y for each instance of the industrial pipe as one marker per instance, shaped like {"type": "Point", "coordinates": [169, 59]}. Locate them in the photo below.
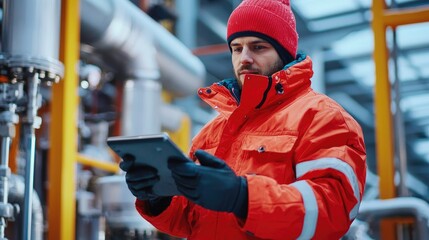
{"type": "Point", "coordinates": [398, 207]}
{"type": "Point", "coordinates": [30, 36]}
{"type": "Point", "coordinates": [126, 39]}
{"type": "Point", "coordinates": [16, 195]}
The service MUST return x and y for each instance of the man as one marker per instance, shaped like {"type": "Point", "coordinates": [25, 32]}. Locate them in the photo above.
{"type": "Point", "coordinates": [280, 161]}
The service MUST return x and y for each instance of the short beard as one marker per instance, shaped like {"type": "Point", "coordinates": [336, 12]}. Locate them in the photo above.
{"type": "Point", "coordinates": [277, 66]}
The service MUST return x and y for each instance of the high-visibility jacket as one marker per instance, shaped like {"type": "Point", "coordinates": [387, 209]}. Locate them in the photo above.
{"type": "Point", "coordinates": [303, 156]}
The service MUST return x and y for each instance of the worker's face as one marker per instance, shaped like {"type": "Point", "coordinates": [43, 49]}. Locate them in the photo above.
{"type": "Point", "coordinates": [253, 55]}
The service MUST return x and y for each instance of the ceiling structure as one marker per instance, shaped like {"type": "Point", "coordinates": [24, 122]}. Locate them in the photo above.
{"type": "Point", "coordinates": [337, 34]}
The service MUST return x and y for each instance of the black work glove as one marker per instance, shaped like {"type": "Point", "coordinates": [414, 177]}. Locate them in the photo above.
{"type": "Point", "coordinates": [212, 185]}
{"type": "Point", "coordinates": [140, 179]}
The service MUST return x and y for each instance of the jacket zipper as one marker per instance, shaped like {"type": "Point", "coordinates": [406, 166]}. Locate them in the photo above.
{"type": "Point", "coordinates": [270, 82]}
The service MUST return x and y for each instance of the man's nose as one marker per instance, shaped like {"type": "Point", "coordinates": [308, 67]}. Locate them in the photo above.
{"type": "Point", "coordinates": [246, 56]}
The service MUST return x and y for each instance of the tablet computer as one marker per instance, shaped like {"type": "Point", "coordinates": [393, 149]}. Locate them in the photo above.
{"type": "Point", "coordinates": [153, 150]}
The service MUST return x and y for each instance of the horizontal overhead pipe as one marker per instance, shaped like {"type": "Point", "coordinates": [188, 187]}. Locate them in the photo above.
{"type": "Point", "coordinates": [127, 39]}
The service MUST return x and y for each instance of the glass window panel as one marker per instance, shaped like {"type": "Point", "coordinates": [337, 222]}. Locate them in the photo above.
{"type": "Point", "coordinates": [424, 72]}
{"type": "Point", "coordinates": [355, 44]}
{"type": "Point", "coordinates": [407, 103]}
{"type": "Point", "coordinates": [405, 71]}
{"type": "Point", "coordinates": [422, 147]}
{"type": "Point", "coordinates": [413, 35]}
{"type": "Point", "coordinates": [420, 59]}
{"type": "Point", "coordinates": [404, 1]}
{"type": "Point", "coordinates": [311, 9]}
{"type": "Point", "coordinates": [336, 22]}
{"type": "Point", "coordinates": [364, 71]}
{"type": "Point", "coordinates": [365, 3]}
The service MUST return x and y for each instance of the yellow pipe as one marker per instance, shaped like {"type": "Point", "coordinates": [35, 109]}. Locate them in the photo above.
{"type": "Point", "coordinates": [395, 18]}
{"type": "Point", "coordinates": [87, 161]}
{"type": "Point", "coordinates": [182, 137]}
{"type": "Point", "coordinates": [63, 133]}
{"type": "Point", "coordinates": [14, 149]}
{"type": "Point", "coordinates": [383, 116]}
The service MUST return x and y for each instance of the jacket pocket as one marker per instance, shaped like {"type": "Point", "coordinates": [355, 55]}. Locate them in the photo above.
{"type": "Point", "coordinates": [270, 156]}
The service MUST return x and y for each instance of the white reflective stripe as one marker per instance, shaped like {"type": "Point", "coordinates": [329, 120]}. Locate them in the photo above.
{"type": "Point", "coordinates": [311, 209]}
{"type": "Point", "coordinates": [337, 164]}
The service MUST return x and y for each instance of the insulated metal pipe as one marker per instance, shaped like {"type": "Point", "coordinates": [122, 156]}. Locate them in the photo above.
{"type": "Point", "coordinates": [30, 35]}
{"type": "Point", "coordinates": [29, 54]}
{"type": "Point", "coordinates": [119, 35]}
{"type": "Point", "coordinates": [398, 207]}
{"type": "Point", "coordinates": [17, 196]}
{"type": "Point", "coordinates": [140, 111]}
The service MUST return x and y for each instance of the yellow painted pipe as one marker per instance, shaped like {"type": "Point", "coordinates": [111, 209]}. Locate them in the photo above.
{"type": "Point", "coordinates": [396, 17]}
{"type": "Point", "coordinates": [383, 116]}
{"type": "Point", "coordinates": [63, 133]}
{"type": "Point", "coordinates": [106, 166]}
{"type": "Point", "coordinates": [182, 137]}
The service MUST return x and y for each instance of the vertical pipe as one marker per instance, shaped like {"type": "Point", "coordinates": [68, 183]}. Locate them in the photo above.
{"type": "Point", "coordinates": [383, 119]}
{"type": "Point", "coordinates": [384, 136]}
{"type": "Point", "coordinates": [186, 26]}
{"type": "Point", "coordinates": [399, 124]}
{"type": "Point", "coordinates": [17, 196]}
{"type": "Point", "coordinates": [5, 143]}
{"type": "Point", "coordinates": [140, 109]}
{"type": "Point", "coordinates": [30, 146]}
{"type": "Point", "coordinates": [36, 20]}
{"type": "Point", "coordinates": [63, 133]}
{"type": "Point", "coordinates": [14, 146]}
{"type": "Point", "coordinates": [401, 151]}
{"type": "Point", "coordinates": [30, 122]}
{"type": "Point", "coordinates": [318, 79]}
{"type": "Point", "coordinates": [182, 136]}
{"type": "Point", "coordinates": [7, 120]}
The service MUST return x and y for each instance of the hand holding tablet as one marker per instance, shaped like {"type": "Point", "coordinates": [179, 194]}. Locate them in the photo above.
{"type": "Point", "coordinates": [152, 152]}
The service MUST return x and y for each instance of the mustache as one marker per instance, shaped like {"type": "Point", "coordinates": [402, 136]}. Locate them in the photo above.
{"type": "Point", "coordinates": [247, 68]}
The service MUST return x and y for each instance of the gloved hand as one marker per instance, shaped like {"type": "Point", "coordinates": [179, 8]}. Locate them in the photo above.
{"type": "Point", "coordinates": [140, 178]}
{"type": "Point", "coordinates": [212, 185]}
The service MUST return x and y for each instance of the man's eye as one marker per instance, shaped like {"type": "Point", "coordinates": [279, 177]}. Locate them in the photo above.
{"type": "Point", "coordinates": [236, 49]}
{"type": "Point", "coordinates": [258, 47]}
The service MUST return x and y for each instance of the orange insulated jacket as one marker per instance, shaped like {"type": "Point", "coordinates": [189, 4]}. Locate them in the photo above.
{"type": "Point", "coordinates": [303, 156]}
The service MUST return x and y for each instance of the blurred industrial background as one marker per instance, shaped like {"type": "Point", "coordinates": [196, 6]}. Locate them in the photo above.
{"type": "Point", "coordinates": [74, 72]}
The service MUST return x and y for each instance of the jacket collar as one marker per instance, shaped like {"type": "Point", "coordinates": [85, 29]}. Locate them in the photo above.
{"type": "Point", "coordinates": [260, 92]}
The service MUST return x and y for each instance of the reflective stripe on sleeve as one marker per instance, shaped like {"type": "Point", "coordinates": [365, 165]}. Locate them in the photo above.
{"type": "Point", "coordinates": [311, 209]}
{"type": "Point", "coordinates": [333, 163]}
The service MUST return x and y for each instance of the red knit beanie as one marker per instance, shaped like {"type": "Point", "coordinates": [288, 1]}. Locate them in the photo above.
{"type": "Point", "coordinates": [272, 18]}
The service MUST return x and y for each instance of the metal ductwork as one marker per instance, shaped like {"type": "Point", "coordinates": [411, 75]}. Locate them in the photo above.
{"type": "Point", "coordinates": [126, 39]}
{"type": "Point", "coordinates": [398, 207]}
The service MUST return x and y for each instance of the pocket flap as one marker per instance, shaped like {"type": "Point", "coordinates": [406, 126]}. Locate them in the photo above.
{"type": "Point", "coordinates": [278, 143]}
